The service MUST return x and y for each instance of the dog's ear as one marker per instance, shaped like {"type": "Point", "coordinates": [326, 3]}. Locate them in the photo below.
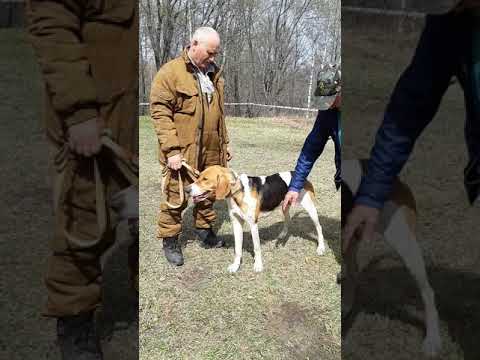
{"type": "Point", "coordinates": [223, 187]}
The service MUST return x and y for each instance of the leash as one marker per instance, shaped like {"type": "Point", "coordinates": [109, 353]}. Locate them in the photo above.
{"type": "Point", "coordinates": [124, 160]}
{"type": "Point", "coordinates": [167, 175]}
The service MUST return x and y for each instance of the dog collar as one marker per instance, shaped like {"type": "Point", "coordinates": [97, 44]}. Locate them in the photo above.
{"type": "Point", "coordinates": [236, 185]}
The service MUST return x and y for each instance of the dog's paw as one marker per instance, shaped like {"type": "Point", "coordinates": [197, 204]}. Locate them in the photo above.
{"type": "Point", "coordinates": [321, 250]}
{"type": "Point", "coordinates": [258, 266]}
{"type": "Point", "coordinates": [432, 345]}
{"type": "Point", "coordinates": [234, 267]}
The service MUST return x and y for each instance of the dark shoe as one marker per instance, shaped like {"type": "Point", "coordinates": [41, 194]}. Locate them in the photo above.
{"type": "Point", "coordinates": [77, 338]}
{"type": "Point", "coordinates": [173, 250]}
{"type": "Point", "coordinates": [208, 239]}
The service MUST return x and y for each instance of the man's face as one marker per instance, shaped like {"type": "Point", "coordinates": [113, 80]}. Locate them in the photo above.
{"type": "Point", "coordinates": [203, 53]}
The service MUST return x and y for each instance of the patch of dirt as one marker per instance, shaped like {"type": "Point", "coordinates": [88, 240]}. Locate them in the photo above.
{"type": "Point", "coordinates": [194, 278]}
{"type": "Point", "coordinates": [286, 316]}
{"type": "Point", "coordinates": [300, 337]}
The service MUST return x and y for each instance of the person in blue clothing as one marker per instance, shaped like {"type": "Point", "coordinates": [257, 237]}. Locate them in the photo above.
{"type": "Point", "coordinates": [326, 125]}
{"type": "Point", "coordinates": [449, 46]}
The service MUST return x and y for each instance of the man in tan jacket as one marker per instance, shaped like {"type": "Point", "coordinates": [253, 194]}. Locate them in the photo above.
{"type": "Point", "coordinates": [187, 109]}
{"type": "Point", "coordinates": [87, 55]}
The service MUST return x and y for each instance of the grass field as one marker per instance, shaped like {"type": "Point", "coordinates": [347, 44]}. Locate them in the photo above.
{"type": "Point", "coordinates": [388, 323]}
{"type": "Point", "coordinates": [200, 311]}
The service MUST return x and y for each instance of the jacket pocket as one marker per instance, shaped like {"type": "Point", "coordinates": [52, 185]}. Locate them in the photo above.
{"type": "Point", "coordinates": [186, 100]}
{"type": "Point", "coordinates": [184, 116]}
{"type": "Point", "coordinates": [186, 126]}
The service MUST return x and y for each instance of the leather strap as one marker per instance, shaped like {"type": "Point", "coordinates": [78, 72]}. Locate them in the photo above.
{"type": "Point", "coordinates": [167, 174]}
{"type": "Point", "coordinates": [125, 161]}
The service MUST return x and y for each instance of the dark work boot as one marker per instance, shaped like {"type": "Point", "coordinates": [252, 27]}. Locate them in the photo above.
{"type": "Point", "coordinates": [208, 239]}
{"type": "Point", "coordinates": [173, 250]}
{"type": "Point", "coordinates": [77, 338]}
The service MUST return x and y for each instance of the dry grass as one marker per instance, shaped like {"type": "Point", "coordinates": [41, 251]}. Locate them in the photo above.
{"type": "Point", "coordinates": [200, 311]}
{"type": "Point", "coordinates": [384, 328]}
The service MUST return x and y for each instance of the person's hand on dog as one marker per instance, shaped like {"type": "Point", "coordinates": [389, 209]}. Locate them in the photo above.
{"type": "Point", "coordinates": [362, 218]}
{"type": "Point", "coordinates": [175, 162]}
{"type": "Point", "coordinates": [84, 138]}
{"type": "Point", "coordinates": [291, 198]}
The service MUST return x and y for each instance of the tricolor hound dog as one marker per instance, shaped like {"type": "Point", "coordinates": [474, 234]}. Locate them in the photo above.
{"type": "Point", "coordinates": [247, 197]}
{"type": "Point", "coordinates": [397, 225]}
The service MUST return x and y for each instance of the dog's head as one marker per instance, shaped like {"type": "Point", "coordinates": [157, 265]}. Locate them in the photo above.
{"type": "Point", "coordinates": [214, 183]}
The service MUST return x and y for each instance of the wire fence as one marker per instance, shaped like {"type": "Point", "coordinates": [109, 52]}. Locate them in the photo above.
{"type": "Point", "coordinates": [248, 109]}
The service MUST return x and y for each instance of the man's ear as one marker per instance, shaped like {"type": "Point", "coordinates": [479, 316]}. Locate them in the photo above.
{"type": "Point", "coordinates": [223, 187]}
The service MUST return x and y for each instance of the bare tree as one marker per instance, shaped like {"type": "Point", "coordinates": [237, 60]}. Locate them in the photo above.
{"type": "Point", "coordinates": [271, 49]}
{"type": "Point", "coordinates": [160, 20]}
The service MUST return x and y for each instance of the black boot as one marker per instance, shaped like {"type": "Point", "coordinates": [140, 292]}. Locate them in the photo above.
{"type": "Point", "coordinates": [173, 250]}
{"type": "Point", "coordinates": [208, 239]}
{"type": "Point", "coordinates": [77, 338]}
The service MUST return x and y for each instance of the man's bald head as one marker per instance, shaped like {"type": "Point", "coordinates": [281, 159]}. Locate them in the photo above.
{"type": "Point", "coordinates": [204, 46]}
{"type": "Point", "coordinates": [205, 34]}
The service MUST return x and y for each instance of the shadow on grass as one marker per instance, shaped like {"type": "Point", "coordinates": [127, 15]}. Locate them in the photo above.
{"type": "Point", "coordinates": [300, 226]}
{"type": "Point", "coordinates": [392, 293]}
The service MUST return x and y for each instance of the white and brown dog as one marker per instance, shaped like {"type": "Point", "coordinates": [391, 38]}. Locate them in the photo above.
{"type": "Point", "coordinates": [247, 197]}
{"type": "Point", "coordinates": [397, 225]}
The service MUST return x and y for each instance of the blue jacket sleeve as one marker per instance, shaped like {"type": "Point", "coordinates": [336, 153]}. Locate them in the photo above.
{"type": "Point", "coordinates": [313, 147]}
{"type": "Point", "coordinates": [412, 106]}
{"type": "Point", "coordinates": [390, 153]}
